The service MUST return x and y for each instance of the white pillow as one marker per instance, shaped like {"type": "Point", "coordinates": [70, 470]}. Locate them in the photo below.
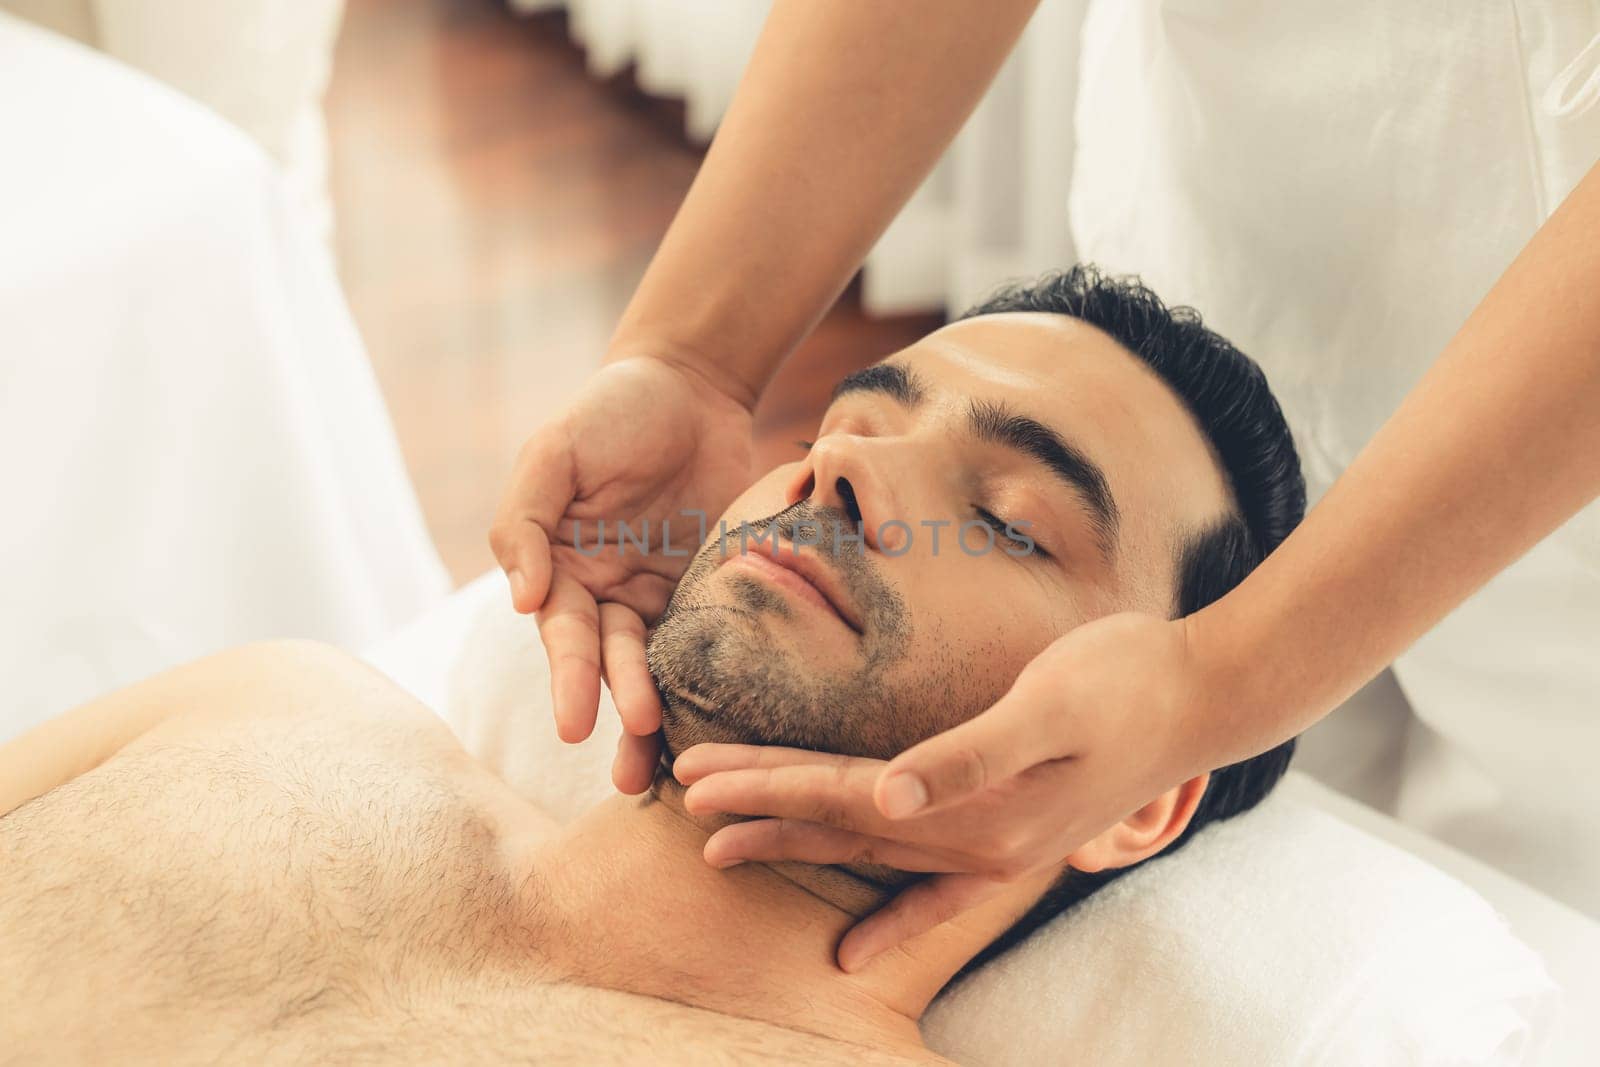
{"type": "Point", "coordinates": [1285, 936]}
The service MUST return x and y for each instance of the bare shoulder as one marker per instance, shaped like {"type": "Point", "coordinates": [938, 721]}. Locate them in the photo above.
{"type": "Point", "coordinates": [257, 726]}
{"type": "Point", "coordinates": [274, 682]}
{"type": "Point", "coordinates": [282, 697]}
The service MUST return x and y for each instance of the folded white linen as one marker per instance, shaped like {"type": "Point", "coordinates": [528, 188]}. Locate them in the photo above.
{"type": "Point", "coordinates": [1284, 936]}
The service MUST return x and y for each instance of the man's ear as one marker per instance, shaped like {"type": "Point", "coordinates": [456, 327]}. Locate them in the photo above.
{"type": "Point", "coordinates": [1145, 832]}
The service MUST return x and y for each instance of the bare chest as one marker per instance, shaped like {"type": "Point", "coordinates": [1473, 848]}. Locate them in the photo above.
{"type": "Point", "coordinates": [326, 903]}
{"type": "Point", "coordinates": [218, 892]}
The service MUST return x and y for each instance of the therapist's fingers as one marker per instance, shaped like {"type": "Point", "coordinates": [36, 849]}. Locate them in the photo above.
{"type": "Point", "coordinates": [771, 840]}
{"type": "Point", "coordinates": [627, 673]}
{"type": "Point", "coordinates": [914, 911]}
{"type": "Point", "coordinates": [635, 766]}
{"type": "Point", "coordinates": [543, 484]}
{"type": "Point", "coordinates": [839, 796]}
{"type": "Point", "coordinates": [622, 635]}
{"type": "Point", "coordinates": [979, 754]}
{"type": "Point", "coordinates": [569, 624]}
{"type": "Point", "coordinates": [645, 591]}
{"type": "Point", "coordinates": [710, 757]}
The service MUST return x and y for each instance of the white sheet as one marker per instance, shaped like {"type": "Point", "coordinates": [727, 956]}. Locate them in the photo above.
{"type": "Point", "coordinates": [193, 450]}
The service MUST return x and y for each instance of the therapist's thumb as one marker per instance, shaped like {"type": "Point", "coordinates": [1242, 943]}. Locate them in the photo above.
{"type": "Point", "coordinates": [966, 759]}
{"type": "Point", "coordinates": [542, 486]}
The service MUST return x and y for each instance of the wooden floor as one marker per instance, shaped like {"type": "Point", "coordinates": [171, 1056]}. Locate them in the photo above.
{"type": "Point", "coordinates": [495, 208]}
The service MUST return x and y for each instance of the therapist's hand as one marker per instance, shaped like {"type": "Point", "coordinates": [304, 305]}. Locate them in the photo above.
{"type": "Point", "coordinates": [1100, 723]}
{"type": "Point", "coordinates": [645, 441]}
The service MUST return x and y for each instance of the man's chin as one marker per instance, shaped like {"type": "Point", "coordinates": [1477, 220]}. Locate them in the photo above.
{"type": "Point", "coordinates": [688, 720]}
{"type": "Point", "coordinates": [709, 664]}
{"type": "Point", "coordinates": [724, 676]}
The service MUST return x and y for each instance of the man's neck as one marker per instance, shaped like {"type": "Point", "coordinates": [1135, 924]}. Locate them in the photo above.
{"type": "Point", "coordinates": [638, 909]}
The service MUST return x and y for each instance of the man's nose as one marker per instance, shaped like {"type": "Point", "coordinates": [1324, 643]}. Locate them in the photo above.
{"type": "Point", "coordinates": [841, 496]}
{"type": "Point", "coordinates": [842, 473]}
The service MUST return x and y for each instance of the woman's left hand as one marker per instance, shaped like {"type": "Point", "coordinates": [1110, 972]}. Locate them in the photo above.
{"type": "Point", "coordinates": [1102, 721]}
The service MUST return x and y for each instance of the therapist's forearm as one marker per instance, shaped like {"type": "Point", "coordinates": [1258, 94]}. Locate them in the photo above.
{"type": "Point", "coordinates": [844, 108]}
{"type": "Point", "coordinates": [1497, 445]}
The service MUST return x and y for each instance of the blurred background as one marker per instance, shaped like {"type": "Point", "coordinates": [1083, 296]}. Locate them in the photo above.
{"type": "Point", "coordinates": [493, 179]}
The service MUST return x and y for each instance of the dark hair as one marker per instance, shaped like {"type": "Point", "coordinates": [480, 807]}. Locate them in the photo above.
{"type": "Point", "coordinates": [1228, 396]}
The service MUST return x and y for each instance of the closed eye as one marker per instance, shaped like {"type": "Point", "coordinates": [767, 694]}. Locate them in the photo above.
{"type": "Point", "coordinates": [1003, 530]}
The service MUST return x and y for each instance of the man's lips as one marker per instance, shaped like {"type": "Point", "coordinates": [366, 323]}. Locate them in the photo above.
{"type": "Point", "coordinates": [806, 575]}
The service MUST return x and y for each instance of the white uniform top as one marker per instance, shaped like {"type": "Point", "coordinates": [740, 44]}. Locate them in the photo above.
{"type": "Point", "coordinates": [1336, 186]}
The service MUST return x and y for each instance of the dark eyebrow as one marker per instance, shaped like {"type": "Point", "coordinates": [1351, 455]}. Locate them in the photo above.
{"type": "Point", "coordinates": [1000, 425]}
{"type": "Point", "coordinates": [889, 378]}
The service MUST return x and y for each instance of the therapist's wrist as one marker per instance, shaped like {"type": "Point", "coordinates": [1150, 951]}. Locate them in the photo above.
{"type": "Point", "coordinates": [1222, 721]}
{"type": "Point", "coordinates": [704, 367]}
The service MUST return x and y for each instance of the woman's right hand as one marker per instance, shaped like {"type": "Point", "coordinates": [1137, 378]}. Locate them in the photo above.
{"type": "Point", "coordinates": [648, 442]}
{"type": "Point", "coordinates": [811, 162]}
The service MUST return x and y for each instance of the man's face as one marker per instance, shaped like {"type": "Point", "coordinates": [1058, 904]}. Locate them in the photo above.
{"type": "Point", "coordinates": [865, 648]}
